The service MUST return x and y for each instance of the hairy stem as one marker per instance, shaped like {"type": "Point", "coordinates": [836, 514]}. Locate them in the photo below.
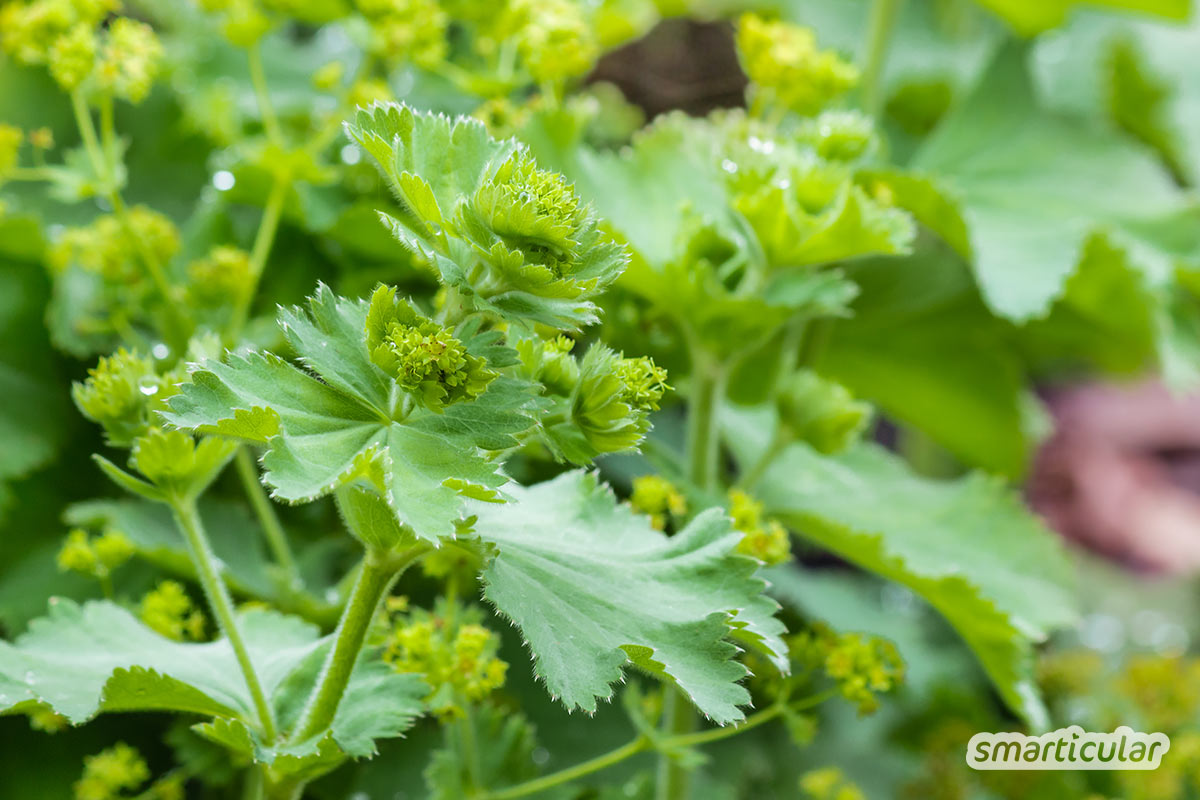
{"type": "Point", "coordinates": [378, 572]}
{"type": "Point", "coordinates": [880, 22]}
{"type": "Point", "coordinates": [673, 781]}
{"type": "Point", "coordinates": [221, 606]}
{"type": "Point", "coordinates": [263, 240]}
{"type": "Point", "coordinates": [703, 442]}
{"type": "Point", "coordinates": [267, 518]}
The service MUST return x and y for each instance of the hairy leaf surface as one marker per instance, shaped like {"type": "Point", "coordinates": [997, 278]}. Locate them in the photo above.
{"type": "Point", "coordinates": [593, 587]}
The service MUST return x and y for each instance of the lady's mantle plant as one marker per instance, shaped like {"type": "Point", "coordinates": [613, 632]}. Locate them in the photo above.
{"type": "Point", "coordinates": [458, 402]}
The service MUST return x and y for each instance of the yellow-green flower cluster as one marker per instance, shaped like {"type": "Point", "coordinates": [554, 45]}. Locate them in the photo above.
{"type": "Point", "coordinates": [613, 398]}
{"type": "Point", "coordinates": [413, 30]}
{"type": "Point", "coordinates": [95, 556]}
{"type": "Point", "coordinates": [1165, 689]}
{"type": "Point", "coordinates": [787, 69]}
{"type": "Point", "coordinates": [29, 30]}
{"type": "Point", "coordinates": [644, 382]}
{"type": "Point", "coordinates": [537, 215]}
{"type": "Point", "coordinates": [764, 539]}
{"type": "Point", "coordinates": [220, 278]}
{"type": "Point", "coordinates": [73, 56]}
{"type": "Point", "coordinates": [130, 59]}
{"type": "Point", "coordinates": [110, 772]}
{"type": "Point", "coordinates": [862, 666]}
{"type": "Point", "coordinates": [554, 39]}
{"type": "Point", "coordinates": [658, 497]}
{"type": "Point", "coordinates": [425, 358]}
{"type": "Point", "coordinates": [47, 720]}
{"type": "Point", "coordinates": [456, 658]}
{"type": "Point", "coordinates": [123, 393]}
{"type": "Point", "coordinates": [107, 249]}
{"type": "Point", "coordinates": [169, 610]}
{"type": "Point", "coordinates": [829, 783]}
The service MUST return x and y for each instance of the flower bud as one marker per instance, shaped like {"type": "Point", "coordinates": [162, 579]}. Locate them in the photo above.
{"type": "Point", "coordinates": [121, 393]}
{"type": "Point", "coordinates": [425, 358]}
{"type": "Point", "coordinates": [785, 66]}
{"type": "Point", "coordinates": [839, 135]}
{"type": "Point", "coordinates": [821, 413]}
{"type": "Point", "coordinates": [76, 554]}
{"type": "Point", "coordinates": [614, 397]}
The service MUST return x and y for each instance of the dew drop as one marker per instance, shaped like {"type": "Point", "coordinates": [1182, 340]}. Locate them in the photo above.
{"type": "Point", "coordinates": [223, 180]}
{"type": "Point", "coordinates": [148, 389]}
{"type": "Point", "coordinates": [160, 351]}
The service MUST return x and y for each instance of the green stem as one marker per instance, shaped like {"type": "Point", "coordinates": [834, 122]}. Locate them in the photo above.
{"type": "Point", "coordinates": [470, 748]}
{"type": "Point", "coordinates": [378, 572]}
{"type": "Point", "coordinates": [880, 22]}
{"type": "Point", "coordinates": [259, 78]}
{"type": "Point", "coordinates": [106, 584]}
{"type": "Point", "coordinates": [263, 240]}
{"type": "Point", "coordinates": [101, 165]}
{"type": "Point", "coordinates": [708, 387]}
{"type": "Point", "coordinates": [267, 518]}
{"type": "Point", "coordinates": [570, 773]}
{"type": "Point", "coordinates": [672, 780]}
{"type": "Point", "coordinates": [222, 607]}
{"type": "Point", "coordinates": [644, 743]}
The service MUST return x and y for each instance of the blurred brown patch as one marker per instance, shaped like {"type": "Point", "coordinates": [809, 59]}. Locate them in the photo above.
{"type": "Point", "coordinates": [680, 64]}
{"type": "Point", "coordinates": [1121, 474]}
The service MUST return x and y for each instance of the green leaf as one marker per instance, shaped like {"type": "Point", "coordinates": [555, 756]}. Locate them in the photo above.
{"type": "Point", "coordinates": [593, 587]}
{"type": "Point", "coordinates": [923, 347]}
{"type": "Point", "coordinates": [1106, 318]}
{"type": "Point", "coordinates": [967, 546]}
{"type": "Point", "coordinates": [1030, 188]}
{"type": "Point", "coordinates": [345, 423]}
{"type": "Point", "coordinates": [84, 660]}
{"type": "Point", "coordinates": [511, 238]}
{"type": "Point", "coordinates": [69, 659]}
